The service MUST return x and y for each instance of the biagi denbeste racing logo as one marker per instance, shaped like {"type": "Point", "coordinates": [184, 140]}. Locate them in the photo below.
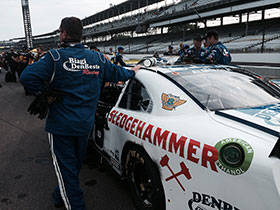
{"type": "Point", "coordinates": [74, 65]}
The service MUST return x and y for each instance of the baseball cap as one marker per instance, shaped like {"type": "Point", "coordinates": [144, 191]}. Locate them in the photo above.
{"type": "Point", "coordinates": [211, 33]}
{"type": "Point", "coordinates": [120, 48]}
{"type": "Point", "coordinates": [198, 37]}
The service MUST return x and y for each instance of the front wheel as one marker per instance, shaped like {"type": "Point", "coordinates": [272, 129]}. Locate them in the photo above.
{"type": "Point", "coordinates": [144, 181]}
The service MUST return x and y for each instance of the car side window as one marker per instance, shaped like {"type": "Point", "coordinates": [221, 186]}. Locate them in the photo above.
{"type": "Point", "coordinates": [136, 97]}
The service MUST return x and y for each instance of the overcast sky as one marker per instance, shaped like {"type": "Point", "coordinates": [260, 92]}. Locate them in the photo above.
{"type": "Point", "coordinates": [45, 14]}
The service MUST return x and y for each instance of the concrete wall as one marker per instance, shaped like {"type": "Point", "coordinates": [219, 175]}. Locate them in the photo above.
{"type": "Point", "coordinates": [273, 58]}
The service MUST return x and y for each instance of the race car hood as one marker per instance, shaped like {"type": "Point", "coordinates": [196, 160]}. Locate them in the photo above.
{"type": "Point", "coordinates": [265, 118]}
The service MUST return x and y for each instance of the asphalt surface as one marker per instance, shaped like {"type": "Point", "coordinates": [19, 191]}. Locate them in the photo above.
{"type": "Point", "coordinates": [27, 176]}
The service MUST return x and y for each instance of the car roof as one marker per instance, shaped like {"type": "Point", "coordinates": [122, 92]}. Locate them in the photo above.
{"type": "Point", "coordinates": [191, 67]}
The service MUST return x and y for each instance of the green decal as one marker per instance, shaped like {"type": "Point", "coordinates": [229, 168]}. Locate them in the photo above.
{"type": "Point", "coordinates": [235, 156]}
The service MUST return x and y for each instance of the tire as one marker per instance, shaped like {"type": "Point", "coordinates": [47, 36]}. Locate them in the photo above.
{"type": "Point", "coordinates": [144, 181]}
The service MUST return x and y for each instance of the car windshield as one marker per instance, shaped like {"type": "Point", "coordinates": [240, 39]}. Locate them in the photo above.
{"type": "Point", "coordinates": [219, 89]}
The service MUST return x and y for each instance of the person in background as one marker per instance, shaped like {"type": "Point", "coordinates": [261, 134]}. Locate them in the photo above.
{"type": "Point", "coordinates": [13, 59]}
{"type": "Point", "coordinates": [79, 74]}
{"type": "Point", "coordinates": [3, 61]}
{"type": "Point", "coordinates": [94, 48]}
{"type": "Point", "coordinates": [119, 57]}
{"type": "Point", "coordinates": [23, 62]}
{"type": "Point", "coordinates": [170, 51]}
{"type": "Point", "coordinates": [111, 51]}
{"type": "Point", "coordinates": [183, 49]}
{"type": "Point", "coordinates": [217, 52]}
{"type": "Point", "coordinates": [197, 52]}
{"type": "Point", "coordinates": [40, 52]}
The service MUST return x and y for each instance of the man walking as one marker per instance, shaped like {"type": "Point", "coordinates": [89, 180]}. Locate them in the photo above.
{"type": "Point", "coordinates": [79, 73]}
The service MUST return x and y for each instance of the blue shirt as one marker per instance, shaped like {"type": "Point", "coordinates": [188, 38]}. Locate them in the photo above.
{"type": "Point", "coordinates": [219, 54]}
{"type": "Point", "coordinates": [119, 60]}
{"type": "Point", "coordinates": [79, 73]}
{"type": "Point", "coordinates": [193, 52]}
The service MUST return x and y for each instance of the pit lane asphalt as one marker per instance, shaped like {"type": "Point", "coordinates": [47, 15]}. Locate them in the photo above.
{"type": "Point", "coordinates": [27, 176]}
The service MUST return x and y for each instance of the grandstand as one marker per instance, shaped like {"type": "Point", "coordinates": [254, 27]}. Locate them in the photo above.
{"type": "Point", "coordinates": [146, 26]}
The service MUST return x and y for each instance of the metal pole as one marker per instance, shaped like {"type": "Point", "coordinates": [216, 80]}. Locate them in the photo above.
{"type": "Point", "coordinates": [263, 38]}
{"type": "Point", "coordinates": [247, 22]}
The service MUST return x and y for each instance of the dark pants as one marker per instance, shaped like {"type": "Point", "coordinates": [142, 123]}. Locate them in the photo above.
{"type": "Point", "coordinates": [68, 153]}
{"type": "Point", "coordinates": [14, 69]}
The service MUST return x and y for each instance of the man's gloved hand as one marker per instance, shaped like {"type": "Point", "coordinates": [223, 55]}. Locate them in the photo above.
{"type": "Point", "coordinates": [40, 105]}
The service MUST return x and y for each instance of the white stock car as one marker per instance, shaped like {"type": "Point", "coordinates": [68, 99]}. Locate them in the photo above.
{"type": "Point", "coordinates": [197, 137]}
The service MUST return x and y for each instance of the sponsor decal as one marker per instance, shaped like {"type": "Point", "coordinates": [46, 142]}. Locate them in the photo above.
{"type": "Point", "coordinates": [270, 114]}
{"type": "Point", "coordinates": [205, 70]}
{"type": "Point", "coordinates": [74, 65]}
{"type": "Point", "coordinates": [170, 141]}
{"type": "Point", "coordinates": [184, 171]}
{"type": "Point", "coordinates": [202, 201]}
{"type": "Point", "coordinates": [170, 102]}
{"type": "Point", "coordinates": [202, 54]}
{"type": "Point", "coordinates": [235, 156]}
{"type": "Point", "coordinates": [225, 53]}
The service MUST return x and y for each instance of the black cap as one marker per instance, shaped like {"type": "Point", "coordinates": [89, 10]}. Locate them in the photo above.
{"type": "Point", "coordinates": [120, 48]}
{"type": "Point", "coordinates": [212, 33]}
{"type": "Point", "coordinates": [198, 37]}
{"type": "Point", "coordinates": [93, 47]}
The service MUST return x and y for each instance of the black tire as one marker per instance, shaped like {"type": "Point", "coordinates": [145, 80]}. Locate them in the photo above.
{"type": "Point", "coordinates": [144, 181]}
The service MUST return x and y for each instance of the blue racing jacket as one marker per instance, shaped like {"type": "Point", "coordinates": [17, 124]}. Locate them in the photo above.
{"type": "Point", "coordinates": [79, 73]}
{"type": "Point", "coordinates": [219, 54]}
{"type": "Point", "coordinates": [193, 52]}
{"type": "Point", "coordinates": [119, 60]}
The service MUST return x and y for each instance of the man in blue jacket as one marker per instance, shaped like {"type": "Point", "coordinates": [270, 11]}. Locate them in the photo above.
{"type": "Point", "coordinates": [216, 52]}
{"type": "Point", "coordinates": [197, 52]}
{"type": "Point", "coordinates": [79, 73]}
{"type": "Point", "coordinates": [119, 57]}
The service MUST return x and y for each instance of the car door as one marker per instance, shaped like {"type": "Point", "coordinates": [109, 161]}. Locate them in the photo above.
{"type": "Point", "coordinates": [135, 105]}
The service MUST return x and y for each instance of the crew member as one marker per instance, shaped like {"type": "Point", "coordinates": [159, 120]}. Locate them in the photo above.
{"type": "Point", "coordinates": [40, 52]}
{"type": "Point", "coordinates": [94, 48]}
{"type": "Point", "coordinates": [111, 51]}
{"type": "Point", "coordinates": [119, 57]}
{"type": "Point", "coordinates": [12, 59]}
{"type": "Point", "coordinates": [197, 53]}
{"type": "Point", "coordinates": [79, 73]}
{"type": "Point", "coordinates": [217, 52]}
{"type": "Point", "coordinates": [183, 49]}
{"type": "Point", "coordinates": [170, 51]}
